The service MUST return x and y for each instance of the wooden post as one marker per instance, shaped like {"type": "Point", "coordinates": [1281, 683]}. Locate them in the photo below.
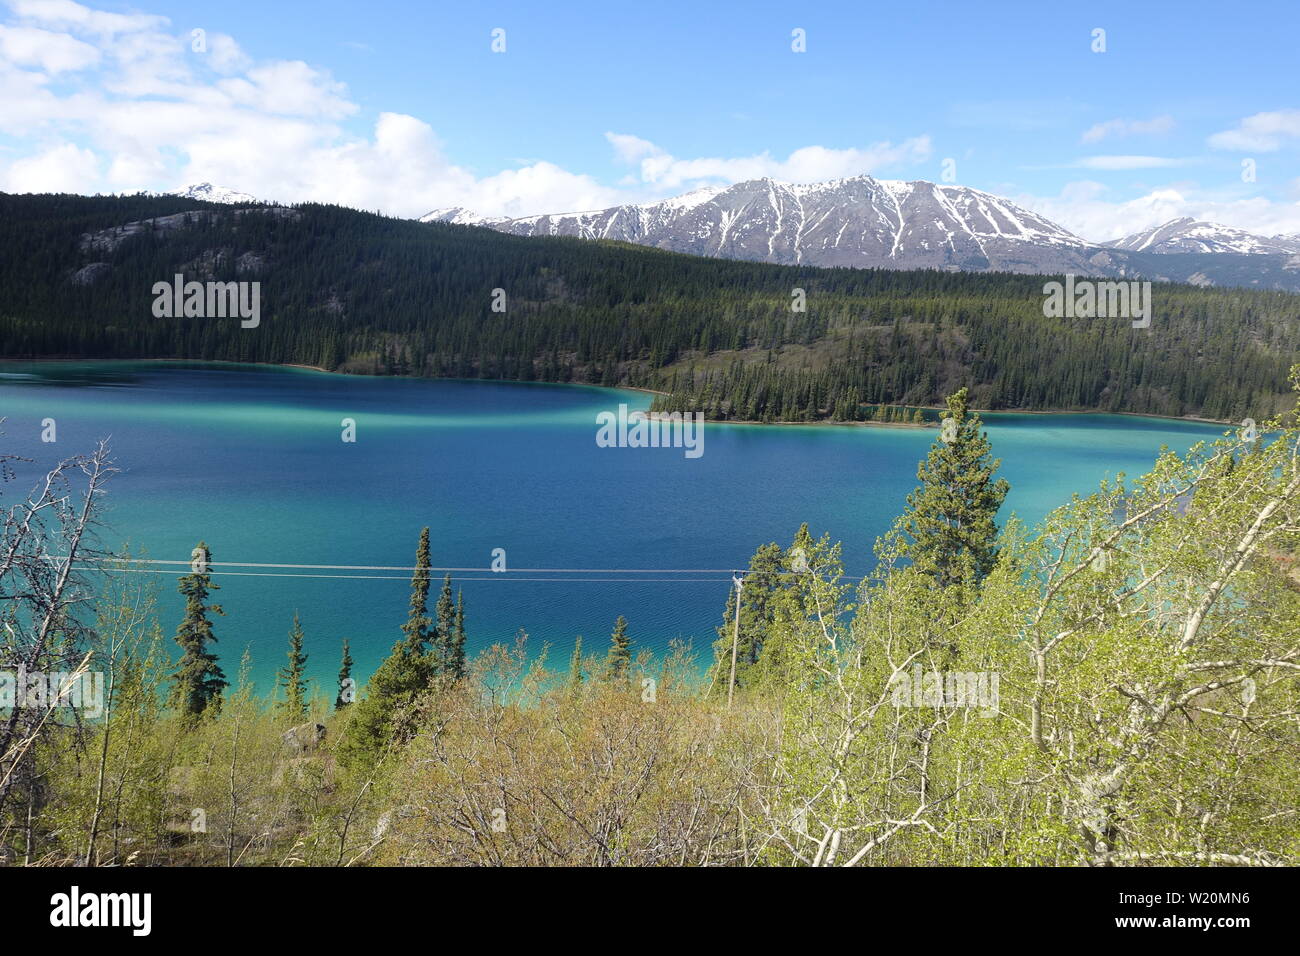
{"type": "Point", "coordinates": [735, 639]}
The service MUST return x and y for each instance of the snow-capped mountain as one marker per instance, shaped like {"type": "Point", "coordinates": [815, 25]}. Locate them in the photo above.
{"type": "Point", "coordinates": [861, 221]}
{"type": "Point", "coordinates": [864, 222]}
{"type": "Point", "coordinates": [1190, 235]}
{"type": "Point", "coordinates": [461, 216]}
{"type": "Point", "coordinates": [211, 193]}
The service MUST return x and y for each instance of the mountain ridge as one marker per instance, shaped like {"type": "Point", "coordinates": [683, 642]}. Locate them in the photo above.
{"type": "Point", "coordinates": [875, 222]}
{"type": "Point", "coordinates": [864, 222]}
{"type": "Point", "coordinates": [1185, 234]}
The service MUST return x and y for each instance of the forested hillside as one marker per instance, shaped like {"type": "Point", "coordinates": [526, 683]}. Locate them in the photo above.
{"type": "Point", "coordinates": [353, 291]}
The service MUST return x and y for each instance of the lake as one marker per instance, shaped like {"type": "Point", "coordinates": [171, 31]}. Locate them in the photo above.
{"type": "Point", "coordinates": [252, 461]}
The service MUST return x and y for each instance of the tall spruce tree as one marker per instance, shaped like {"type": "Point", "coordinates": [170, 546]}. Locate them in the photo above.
{"type": "Point", "coordinates": [575, 666]}
{"type": "Point", "coordinates": [380, 718]}
{"type": "Point", "coordinates": [292, 677]}
{"type": "Point", "coordinates": [418, 631]}
{"type": "Point", "coordinates": [445, 615]}
{"type": "Point", "coordinates": [765, 580]}
{"type": "Point", "coordinates": [456, 663]}
{"type": "Point", "coordinates": [198, 681]}
{"type": "Point", "coordinates": [948, 530]}
{"type": "Point", "coordinates": [345, 679]}
{"type": "Point", "coordinates": [619, 658]}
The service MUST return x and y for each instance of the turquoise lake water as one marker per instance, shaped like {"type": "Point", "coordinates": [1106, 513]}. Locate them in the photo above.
{"type": "Point", "coordinates": [250, 459]}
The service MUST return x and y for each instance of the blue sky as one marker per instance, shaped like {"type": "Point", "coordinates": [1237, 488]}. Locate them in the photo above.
{"type": "Point", "coordinates": [405, 107]}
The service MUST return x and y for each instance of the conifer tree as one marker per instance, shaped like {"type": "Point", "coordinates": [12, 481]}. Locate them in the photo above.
{"type": "Point", "coordinates": [292, 676]}
{"type": "Point", "coordinates": [198, 681]}
{"type": "Point", "coordinates": [345, 675]}
{"type": "Point", "coordinates": [457, 661]}
{"type": "Point", "coordinates": [418, 630]}
{"type": "Point", "coordinates": [575, 666]}
{"type": "Point", "coordinates": [948, 530]}
{"type": "Point", "coordinates": [444, 639]}
{"type": "Point", "coordinates": [620, 651]}
{"type": "Point", "coordinates": [380, 718]}
{"type": "Point", "coordinates": [763, 582]}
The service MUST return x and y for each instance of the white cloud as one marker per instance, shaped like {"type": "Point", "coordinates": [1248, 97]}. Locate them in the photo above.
{"type": "Point", "coordinates": [51, 52]}
{"type": "Point", "coordinates": [61, 169]}
{"type": "Point", "coordinates": [808, 164]}
{"type": "Point", "coordinates": [401, 169]}
{"type": "Point", "coordinates": [1127, 162]}
{"type": "Point", "coordinates": [224, 54]}
{"type": "Point", "coordinates": [65, 13]}
{"type": "Point", "coordinates": [1089, 210]}
{"type": "Point", "coordinates": [290, 89]}
{"type": "Point", "coordinates": [1263, 132]}
{"type": "Point", "coordinates": [25, 101]}
{"type": "Point", "coordinates": [1125, 127]}
{"type": "Point", "coordinates": [632, 149]}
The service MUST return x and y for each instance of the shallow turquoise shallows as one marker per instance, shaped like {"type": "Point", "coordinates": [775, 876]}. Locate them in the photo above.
{"type": "Point", "coordinates": [251, 460]}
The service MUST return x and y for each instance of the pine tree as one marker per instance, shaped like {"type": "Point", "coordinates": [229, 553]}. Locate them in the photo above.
{"type": "Point", "coordinates": [575, 666]}
{"type": "Point", "coordinates": [198, 681]}
{"type": "Point", "coordinates": [457, 658]}
{"type": "Point", "coordinates": [292, 677]}
{"type": "Point", "coordinates": [345, 677]}
{"type": "Point", "coordinates": [446, 629]}
{"type": "Point", "coordinates": [418, 629]}
{"type": "Point", "coordinates": [381, 717]}
{"type": "Point", "coordinates": [619, 658]}
{"type": "Point", "coordinates": [763, 582]}
{"type": "Point", "coordinates": [949, 530]}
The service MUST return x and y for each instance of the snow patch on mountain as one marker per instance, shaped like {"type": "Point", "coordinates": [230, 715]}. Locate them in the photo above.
{"type": "Point", "coordinates": [1191, 235]}
{"type": "Point", "coordinates": [210, 193]}
{"type": "Point", "coordinates": [460, 216]}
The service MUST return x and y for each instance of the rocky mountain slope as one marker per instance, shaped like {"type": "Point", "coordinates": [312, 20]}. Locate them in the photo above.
{"type": "Point", "coordinates": [863, 222]}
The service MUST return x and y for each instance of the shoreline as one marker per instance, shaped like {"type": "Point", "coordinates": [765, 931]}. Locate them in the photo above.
{"type": "Point", "coordinates": [982, 412]}
{"type": "Point", "coordinates": [1192, 419]}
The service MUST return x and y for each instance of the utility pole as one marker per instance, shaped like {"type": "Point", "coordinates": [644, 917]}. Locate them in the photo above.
{"type": "Point", "coordinates": [739, 581]}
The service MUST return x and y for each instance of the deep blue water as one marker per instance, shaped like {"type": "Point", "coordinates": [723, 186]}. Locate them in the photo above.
{"type": "Point", "coordinates": [250, 460]}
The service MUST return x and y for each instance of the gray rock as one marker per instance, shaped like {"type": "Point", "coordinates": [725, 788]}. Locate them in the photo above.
{"type": "Point", "coordinates": [88, 274]}
{"type": "Point", "coordinates": [305, 738]}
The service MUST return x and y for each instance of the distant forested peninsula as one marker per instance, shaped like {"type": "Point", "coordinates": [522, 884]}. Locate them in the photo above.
{"type": "Point", "coordinates": [357, 292]}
